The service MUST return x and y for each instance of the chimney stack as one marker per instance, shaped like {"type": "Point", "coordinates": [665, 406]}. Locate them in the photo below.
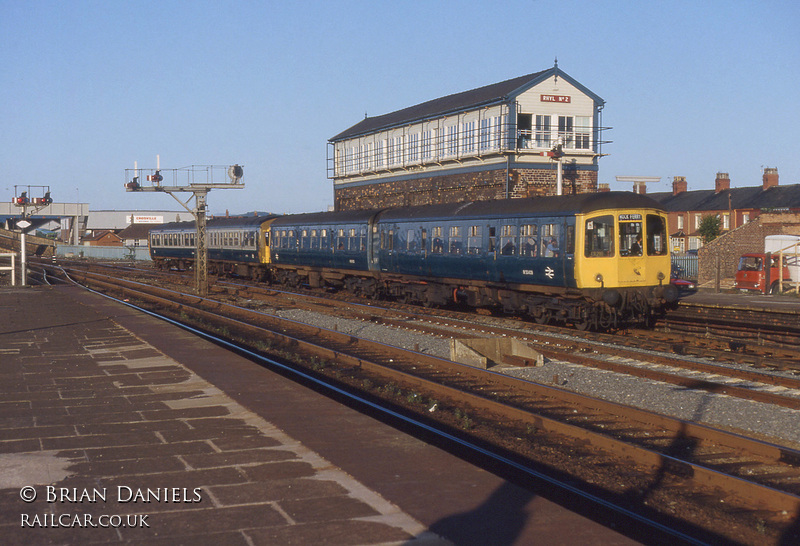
{"type": "Point", "coordinates": [722, 183]}
{"type": "Point", "coordinates": [640, 187]}
{"type": "Point", "coordinates": [770, 177]}
{"type": "Point", "coordinates": [603, 187]}
{"type": "Point", "coordinates": [679, 185]}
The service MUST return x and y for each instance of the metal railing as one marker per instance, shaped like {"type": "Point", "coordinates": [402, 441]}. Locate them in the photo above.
{"type": "Point", "coordinates": [12, 267]}
{"type": "Point", "coordinates": [686, 264]}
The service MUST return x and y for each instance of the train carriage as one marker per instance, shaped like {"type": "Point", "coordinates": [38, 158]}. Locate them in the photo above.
{"type": "Point", "coordinates": [236, 245]}
{"type": "Point", "coordinates": [320, 248]}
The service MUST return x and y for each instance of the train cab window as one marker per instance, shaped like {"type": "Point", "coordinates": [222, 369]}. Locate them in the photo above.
{"type": "Point", "coordinates": [474, 240]}
{"type": "Point", "coordinates": [508, 240]}
{"type": "Point", "coordinates": [656, 235]}
{"type": "Point", "coordinates": [528, 240]}
{"type": "Point", "coordinates": [456, 245]}
{"type": "Point", "coordinates": [630, 238]}
{"type": "Point", "coordinates": [437, 242]}
{"type": "Point", "coordinates": [550, 235]}
{"type": "Point", "coordinates": [599, 237]}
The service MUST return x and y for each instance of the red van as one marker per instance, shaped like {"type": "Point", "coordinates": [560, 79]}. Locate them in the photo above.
{"type": "Point", "coordinates": [752, 275]}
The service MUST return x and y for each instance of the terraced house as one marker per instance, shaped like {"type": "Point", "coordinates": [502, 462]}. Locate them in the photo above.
{"type": "Point", "coordinates": [503, 140]}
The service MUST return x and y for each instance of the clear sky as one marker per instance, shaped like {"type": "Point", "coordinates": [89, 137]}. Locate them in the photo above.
{"type": "Point", "coordinates": [88, 87]}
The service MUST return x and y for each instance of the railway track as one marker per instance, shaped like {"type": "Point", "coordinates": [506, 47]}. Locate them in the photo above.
{"type": "Point", "coordinates": [660, 462]}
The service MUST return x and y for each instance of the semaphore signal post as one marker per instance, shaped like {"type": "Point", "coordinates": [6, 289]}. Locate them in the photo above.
{"type": "Point", "coordinates": [196, 180]}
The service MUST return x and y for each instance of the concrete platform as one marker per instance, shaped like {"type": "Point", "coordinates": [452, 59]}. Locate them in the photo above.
{"type": "Point", "coordinates": [116, 427]}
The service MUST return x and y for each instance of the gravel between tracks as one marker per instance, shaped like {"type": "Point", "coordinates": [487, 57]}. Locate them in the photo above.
{"type": "Point", "coordinates": [776, 424]}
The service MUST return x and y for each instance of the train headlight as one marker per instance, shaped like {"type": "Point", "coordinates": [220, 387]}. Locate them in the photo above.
{"type": "Point", "coordinates": [661, 276]}
{"type": "Point", "coordinates": [599, 278]}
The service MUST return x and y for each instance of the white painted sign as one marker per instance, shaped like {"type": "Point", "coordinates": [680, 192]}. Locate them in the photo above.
{"type": "Point", "coordinates": [138, 219]}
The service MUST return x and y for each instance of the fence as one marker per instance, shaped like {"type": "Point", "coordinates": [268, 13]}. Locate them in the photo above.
{"type": "Point", "coordinates": [12, 267]}
{"type": "Point", "coordinates": [104, 252]}
{"type": "Point", "coordinates": [686, 264]}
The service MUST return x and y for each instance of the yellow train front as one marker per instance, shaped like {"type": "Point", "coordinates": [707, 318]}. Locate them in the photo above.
{"type": "Point", "coordinates": [622, 263]}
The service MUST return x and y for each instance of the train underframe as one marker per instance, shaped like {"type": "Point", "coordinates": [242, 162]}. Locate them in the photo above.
{"type": "Point", "coordinates": [585, 309]}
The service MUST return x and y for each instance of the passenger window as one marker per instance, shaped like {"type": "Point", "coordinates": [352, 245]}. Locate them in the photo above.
{"type": "Point", "coordinates": [455, 240]}
{"type": "Point", "coordinates": [340, 240]}
{"type": "Point", "coordinates": [599, 237]}
{"type": "Point", "coordinates": [492, 238]}
{"type": "Point", "coordinates": [387, 239]}
{"type": "Point", "coordinates": [528, 234]}
{"type": "Point", "coordinates": [508, 241]}
{"type": "Point", "coordinates": [411, 241]}
{"type": "Point", "coordinates": [323, 239]}
{"type": "Point", "coordinates": [353, 240]}
{"type": "Point", "coordinates": [474, 240]}
{"type": "Point", "coordinates": [438, 243]}
{"type": "Point", "coordinates": [550, 237]}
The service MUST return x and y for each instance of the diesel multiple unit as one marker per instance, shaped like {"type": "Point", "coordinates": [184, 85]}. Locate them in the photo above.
{"type": "Point", "coordinates": [597, 260]}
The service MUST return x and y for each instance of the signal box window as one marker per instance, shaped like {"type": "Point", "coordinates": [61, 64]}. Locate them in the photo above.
{"type": "Point", "coordinates": [599, 239]}
{"type": "Point", "coordinates": [656, 236]}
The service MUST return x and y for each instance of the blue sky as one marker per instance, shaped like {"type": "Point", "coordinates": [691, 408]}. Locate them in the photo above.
{"type": "Point", "coordinates": [89, 87]}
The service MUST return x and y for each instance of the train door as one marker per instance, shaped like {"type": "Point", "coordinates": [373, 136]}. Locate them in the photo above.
{"type": "Point", "coordinates": [568, 256]}
{"type": "Point", "coordinates": [264, 245]}
{"type": "Point", "coordinates": [506, 248]}
{"type": "Point", "coordinates": [373, 245]}
{"type": "Point", "coordinates": [631, 250]}
{"type": "Point", "coordinates": [387, 258]}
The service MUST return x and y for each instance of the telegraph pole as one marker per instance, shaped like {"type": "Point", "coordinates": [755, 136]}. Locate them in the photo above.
{"type": "Point", "coordinates": [199, 180]}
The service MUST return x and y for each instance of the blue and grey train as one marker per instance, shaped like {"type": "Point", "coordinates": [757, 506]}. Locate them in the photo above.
{"type": "Point", "coordinates": [598, 260]}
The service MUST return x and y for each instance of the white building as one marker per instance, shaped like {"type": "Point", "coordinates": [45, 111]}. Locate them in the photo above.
{"type": "Point", "coordinates": [487, 143]}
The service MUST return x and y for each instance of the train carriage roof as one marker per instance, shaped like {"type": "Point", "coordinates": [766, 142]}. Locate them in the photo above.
{"type": "Point", "coordinates": [540, 206]}
{"type": "Point", "coordinates": [316, 218]}
{"type": "Point", "coordinates": [220, 222]}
